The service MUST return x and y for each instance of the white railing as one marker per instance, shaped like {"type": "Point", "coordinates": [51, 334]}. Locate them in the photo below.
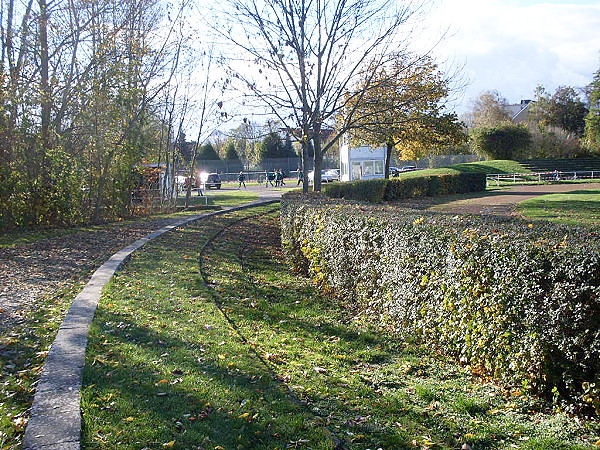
{"type": "Point", "coordinates": [541, 177]}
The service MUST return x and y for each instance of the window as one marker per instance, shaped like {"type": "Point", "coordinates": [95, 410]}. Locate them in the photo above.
{"type": "Point", "coordinates": [356, 171]}
{"type": "Point", "coordinates": [379, 167]}
{"type": "Point", "coordinates": [368, 167]}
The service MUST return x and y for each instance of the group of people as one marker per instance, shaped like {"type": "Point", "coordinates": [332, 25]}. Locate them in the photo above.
{"type": "Point", "coordinates": [277, 177]}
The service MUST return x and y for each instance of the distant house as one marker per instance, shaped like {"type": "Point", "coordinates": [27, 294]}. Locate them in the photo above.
{"type": "Point", "coordinates": [361, 163]}
{"type": "Point", "coordinates": [519, 112]}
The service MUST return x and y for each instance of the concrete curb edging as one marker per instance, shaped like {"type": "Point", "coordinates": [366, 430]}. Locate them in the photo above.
{"type": "Point", "coordinates": [55, 421]}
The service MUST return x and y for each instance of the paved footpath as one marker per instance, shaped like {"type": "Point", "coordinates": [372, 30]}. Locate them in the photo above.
{"type": "Point", "coordinates": [55, 422]}
{"type": "Point", "coordinates": [504, 202]}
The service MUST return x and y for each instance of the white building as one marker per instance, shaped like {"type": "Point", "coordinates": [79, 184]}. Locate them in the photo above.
{"type": "Point", "coordinates": [361, 163]}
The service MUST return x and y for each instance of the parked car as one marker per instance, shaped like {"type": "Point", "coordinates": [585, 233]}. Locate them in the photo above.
{"type": "Point", "coordinates": [408, 168]}
{"type": "Point", "coordinates": [335, 173]}
{"type": "Point", "coordinates": [325, 176]}
{"type": "Point", "coordinates": [212, 180]}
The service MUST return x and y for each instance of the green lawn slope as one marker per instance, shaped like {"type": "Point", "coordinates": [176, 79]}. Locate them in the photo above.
{"type": "Point", "coordinates": [489, 167]}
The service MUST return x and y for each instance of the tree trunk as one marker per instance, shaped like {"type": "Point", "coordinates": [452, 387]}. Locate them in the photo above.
{"type": "Point", "coordinates": [304, 167]}
{"type": "Point", "coordinates": [45, 96]}
{"type": "Point", "coordinates": [388, 157]}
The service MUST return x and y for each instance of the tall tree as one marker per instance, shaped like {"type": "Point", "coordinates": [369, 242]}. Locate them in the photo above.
{"type": "Point", "coordinates": [563, 109]}
{"type": "Point", "coordinates": [231, 153]}
{"type": "Point", "coordinates": [309, 55]}
{"type": "Point", "coordinates": [81, 78]}
{"type": "Point", "coordinates": [271, 147]}
{"type": "Point", "coordinates": [403, 108]}
{"type": "Point", "coordinates": [592, 119]}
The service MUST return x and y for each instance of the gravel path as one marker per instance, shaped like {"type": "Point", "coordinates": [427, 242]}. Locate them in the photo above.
{"type": "Point", "coordinates": [505, 202]}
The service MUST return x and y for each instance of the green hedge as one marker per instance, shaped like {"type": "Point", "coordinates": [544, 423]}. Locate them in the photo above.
{"type": "Point", "coordinates": [519, 301]}
{"type": "Point", "coordinates": [381, 190]}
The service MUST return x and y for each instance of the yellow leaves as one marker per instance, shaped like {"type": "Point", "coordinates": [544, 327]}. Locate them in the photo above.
{"type": "Point", "coordinates": [169, 444]}
{"type": "Point", "coordinates": [128, 419]}
{"type": "Point", "coordinates": [273, 357]}
{"type": "Point", "coordinates": [424, 442]}
{"type": "Point", "coordinates": [248, 416]}
{"type": "Point", "coordinates": [19, 423]}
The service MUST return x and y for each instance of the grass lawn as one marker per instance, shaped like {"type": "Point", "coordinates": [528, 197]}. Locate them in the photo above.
{"type": "Point", "coordinates": [205, 340]}
{"type": "Point", "coordinates": [579, 207]}
{"type": "Point", "coordinates": [220, 197]}
{"type": "Point", "coordinates": [489, 167]}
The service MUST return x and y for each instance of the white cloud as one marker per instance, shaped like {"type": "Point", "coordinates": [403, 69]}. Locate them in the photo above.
{"type": "Point", "coordinates": [514, 45]}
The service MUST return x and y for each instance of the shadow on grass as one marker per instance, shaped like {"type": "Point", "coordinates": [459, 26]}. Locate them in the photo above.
{"type": "Point", "coordinates": [192, 399]}
{"type": "Point", "coordinates": [305, 324]}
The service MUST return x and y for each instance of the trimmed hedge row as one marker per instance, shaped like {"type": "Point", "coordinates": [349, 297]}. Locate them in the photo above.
{"type": "Point", "coordinates": [519, 301]}
{"type": "Point", "coordinates": [381, 190]}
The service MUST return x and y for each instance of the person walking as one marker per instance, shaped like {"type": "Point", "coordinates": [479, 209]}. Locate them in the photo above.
{"type": "Point", "coordinates": [269, 177]}
{"type": "Point", "coordinates": [241, 180]}
{"type": "Point", "coordinates": [300, 177]}
{"type": "Point", "coordinates": [281, 178]}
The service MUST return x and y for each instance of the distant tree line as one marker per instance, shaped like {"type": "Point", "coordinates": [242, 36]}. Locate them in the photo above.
{"type": "Point", "coordinates": [249, 144]}
{"type": "Point", "coordinates": [564, 124]}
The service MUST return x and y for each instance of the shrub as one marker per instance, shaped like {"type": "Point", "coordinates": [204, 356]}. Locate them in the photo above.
{"type": "Point", "coordinates": [505, 141]}
{"type": "Point", "coordinates": [553, 142]}
{"type": "Point", "coordinates": [519, 302]}
{"type": "Point", "coordinates": [379, 190]}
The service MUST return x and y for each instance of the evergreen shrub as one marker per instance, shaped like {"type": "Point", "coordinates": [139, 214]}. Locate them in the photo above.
{"type": "Point", "coordinates": [519, 301]}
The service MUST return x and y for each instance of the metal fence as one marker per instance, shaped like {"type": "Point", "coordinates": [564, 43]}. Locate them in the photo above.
{"type": "Point", "coordinates": [286, 164]}
{"type": "Point", "coordinates": [540, 177]}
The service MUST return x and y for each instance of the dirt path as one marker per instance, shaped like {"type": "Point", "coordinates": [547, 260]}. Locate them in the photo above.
{"type": "Point", "coordinates": [505, 202]}
{"type": "Point", "coordinates": [30, 271]}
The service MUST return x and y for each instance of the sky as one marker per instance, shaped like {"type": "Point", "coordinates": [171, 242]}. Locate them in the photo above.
{"type": "Point", "coordinates": [512, 46]}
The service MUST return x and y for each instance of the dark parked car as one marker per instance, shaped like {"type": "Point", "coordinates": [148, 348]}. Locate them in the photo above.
{"type": "Point", "coordinates": [213, 180]}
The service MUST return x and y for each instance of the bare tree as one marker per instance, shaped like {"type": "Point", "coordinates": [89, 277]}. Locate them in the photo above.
{"type": "Point", "coordinates": [487, 110]}
{"type": "Point", "coordinates": [209, 109]}
{"type": "Point", "coordinates": [303, 57]}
